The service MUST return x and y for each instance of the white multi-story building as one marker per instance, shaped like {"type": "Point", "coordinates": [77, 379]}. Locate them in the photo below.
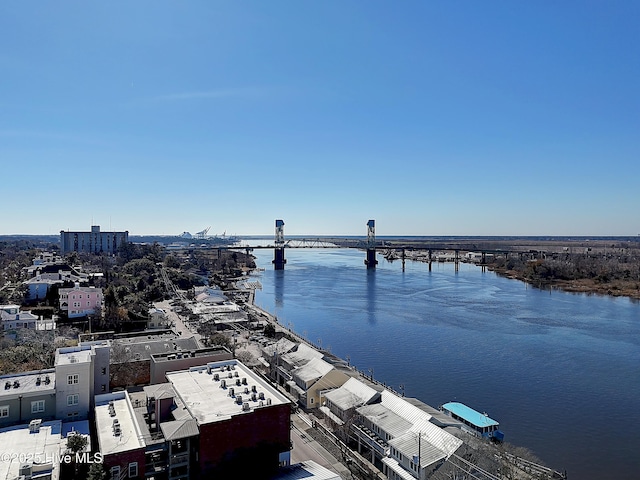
{"type": "Point", "coordinates": [94, 241]}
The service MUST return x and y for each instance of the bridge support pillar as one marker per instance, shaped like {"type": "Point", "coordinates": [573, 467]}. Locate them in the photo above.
{"type": "Point", "coordinates": [278, 259]}
{"type": "Point", "coordinates": [278, 254]}
{"type": "Point", "coordinates": [403, 258]}
{"type": "Point", "coordinates": [457, 260]}
{"type": "Point", "coordinates": [430, 259]}
{"type": "Point", "coordinates": [371, 261]}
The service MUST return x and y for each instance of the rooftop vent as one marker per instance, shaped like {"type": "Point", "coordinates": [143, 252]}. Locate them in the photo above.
{"type": "Point", "coordinates": [268, 401]}
{"type": "Point", "coordinates": [230, 375]}
{"type": "Point", "coordinates": [254, 397]}
{"type": "Point", "coordinates": [254, 389]}
{"type": "Point", "coordinates": [235, 374]}
{"type": "Point", "coordinates": [231, 392]}
{"type": "Point", "coordinates": [239, 398]}
{"type": "Point", "coordinates": [38, 382]}
{"type": "Point", "coordinates": [216, 376]}
{"type": "Point", "coordinates": [245, 407]}
{"type": "Point", "coordinates": [246, 390]}
{"type": "Point", "coordinates": [7, 385]}
{"type": "Point", "coordinates": [34, 426]}
{"type": "Point", "coordinates": [47, 380]}
{"type": "Point", "coordinates": [261, 395]}
{"type": "Point", "coordinates": [223, 384]}
{"type": "Point", "coordinates": [16, 384]}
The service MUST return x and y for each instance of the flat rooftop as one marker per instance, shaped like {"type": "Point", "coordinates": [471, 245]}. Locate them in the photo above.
{"type": "Point", "coordinates": [115, 409]}
{"type": "Point", "coordinates": [26, 383]}
{"type": "Point", "coordinates": [67, 356]}
{"type": "Point", "coordinates": [221, 390]}
{"type": "Point", "coordinates": [42, 447]}
{"type": "Point", "coordinates": [478, 419]}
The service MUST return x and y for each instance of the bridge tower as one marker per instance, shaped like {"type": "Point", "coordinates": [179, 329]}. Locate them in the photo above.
{"type": "Point", "coordinates": [371, 261]}
{"type": "Point", "coordinates": [278, 254]}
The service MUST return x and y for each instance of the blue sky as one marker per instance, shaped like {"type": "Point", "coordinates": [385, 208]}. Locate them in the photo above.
{"type": "Point", "coordinates": [434, 118]}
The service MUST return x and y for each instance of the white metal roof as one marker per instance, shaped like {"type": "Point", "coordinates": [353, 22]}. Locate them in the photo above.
{"type": "Point", "coordinates": [313, 370]}
{"type": "Point", "coordinates": [302, 355]}
{"type": "Point", "coordinates": [352, 394]}
{"type": "Point", "coordinates": [386, 419]}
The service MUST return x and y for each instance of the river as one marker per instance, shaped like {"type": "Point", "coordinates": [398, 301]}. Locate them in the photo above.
{"type": "Point", "coordinates": [559, 371]}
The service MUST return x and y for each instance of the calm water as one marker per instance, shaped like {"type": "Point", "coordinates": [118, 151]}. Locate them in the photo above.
{"type": "Point", "coordinates": [559, 371]}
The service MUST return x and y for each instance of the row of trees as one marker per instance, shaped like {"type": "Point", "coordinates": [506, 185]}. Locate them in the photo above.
{"type": "Point", "coordinates": [599, 268]}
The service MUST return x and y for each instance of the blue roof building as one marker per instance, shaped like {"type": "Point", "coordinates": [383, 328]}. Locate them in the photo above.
{"type": "Point", "coordinates": [480, 423]}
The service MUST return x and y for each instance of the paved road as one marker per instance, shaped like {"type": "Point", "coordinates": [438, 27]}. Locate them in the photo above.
{"type": "Point", "coordinates": [179, 326]}
{"type": "Point", "coordinates": [306, 448]}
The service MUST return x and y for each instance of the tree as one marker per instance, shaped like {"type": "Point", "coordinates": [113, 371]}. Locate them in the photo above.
{"type": "Point", "coordinates": [76, 443]}
{"type": "Point", "coordinates": [96, 472]}
{"type": "Point", "coordinates": [269, 330]}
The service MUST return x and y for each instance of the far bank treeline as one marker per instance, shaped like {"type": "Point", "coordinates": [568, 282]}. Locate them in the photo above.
{"type": "Point", "coordinates": [615, 272]}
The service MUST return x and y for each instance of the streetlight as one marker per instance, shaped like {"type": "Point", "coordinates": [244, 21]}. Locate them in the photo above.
{"type": "Point", "coordinates": [402, 388]}
{"type": "Point", "coordinates": [371, 373]}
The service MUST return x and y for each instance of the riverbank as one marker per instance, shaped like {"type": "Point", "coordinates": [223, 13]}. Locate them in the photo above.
{"type": "Point", "coordinates": [589, 286]}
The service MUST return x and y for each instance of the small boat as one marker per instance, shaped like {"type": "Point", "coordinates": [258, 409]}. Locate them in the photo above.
{"type": "Point", "coordinates": [474, 422]}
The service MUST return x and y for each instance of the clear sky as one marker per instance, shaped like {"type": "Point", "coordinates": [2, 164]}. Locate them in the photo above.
{"type": "Point", "coordinates": [432, 117]}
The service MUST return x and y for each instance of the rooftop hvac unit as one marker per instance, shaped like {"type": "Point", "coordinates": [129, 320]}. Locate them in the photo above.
{"type": "Point", "coordinates": [47, 380]}
{"type": "Point", "coordinates": [261, 403]}
{"type": "Point", "coordinates": [238, 382]}
{"type": "Point", "coordinates": [245, 407]}
{"type": "Point", "coordinates": [235, 374]}
{"type": "Point", "coordinates": [216, 376]}
{"type": "Point", "coordinates": [261, 395]}
{"type": "Point", "coordinates": [26, 469]}
{"type": "Point", "coordinates": [209, 370]}
{"type": "Point", "coordinates": [7, 385]}
{"type": "Point", "coordinates": [254, 397]}
{"type": "Point", "coordinates": [239, 398]}
{"type": "Point", "coordinates": [223, 384]}
{"type": "Point", "coordinates": [38, 381]}
{"type": "Point", "coordinates": [246, 390]}
{"type": "Point", "coordinates": [232, 367]}
{"type": "Point", "coordinates": [230, 375]}
{"type": "Point", "coordinates": [231, 392]}
{"type": "Point", "coordinates": [244, 380]}
{"type": "Point", "coordinates": [34, 425]}
{"type": "Point", "coordinates": [254, 389]}
{"type": "Point", "coordinates": [268, 401]}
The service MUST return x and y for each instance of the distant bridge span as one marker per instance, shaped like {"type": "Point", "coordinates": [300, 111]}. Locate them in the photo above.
{"type": "Point", "coordinates": [370, 245]}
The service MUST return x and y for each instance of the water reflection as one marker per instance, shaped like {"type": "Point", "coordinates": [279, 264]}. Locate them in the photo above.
{"type": "Point", "coordinates": [371, 296]}
{"type": "Point", "coordinates": [278, 284]}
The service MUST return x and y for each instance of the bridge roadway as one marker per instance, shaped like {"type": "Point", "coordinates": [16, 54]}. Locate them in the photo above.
{"type": "Point", "coordinates": [362, 245]}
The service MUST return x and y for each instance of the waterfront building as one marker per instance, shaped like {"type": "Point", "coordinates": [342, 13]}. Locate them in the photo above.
{"type": "Point", "coordinates": [94, 241]}
{"type": "Point", "coordinates": [340, 404]}
{"type": "Point", "coordinates": [312, 380]}
{"type": "Point", "coordinates": [473, 422]}
{"type": "Point", "coordinates": [401, 439]}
